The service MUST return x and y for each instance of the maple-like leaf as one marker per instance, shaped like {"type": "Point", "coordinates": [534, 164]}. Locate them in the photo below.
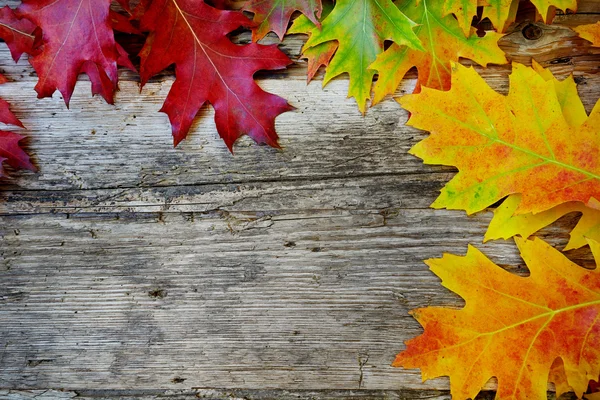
{"type": "Point", "coordinates": [274, 15]}
{"type": "Point", "coordinates": [360, 28]}
{"type": "Point", "coordinates": [10, 149]}
{"type": "Point", "coordinates": [12, 153]}
{"type": "Point", "coordinates": [590, 33]}
{"type": "Point", "coordinates": [511, 327]}
{"type": "Point", "coordinates": [6, 116]}
{"type": "Point", "coordinates": [320, 55]}
{"type": "Point", "coordinates": [502, 145]}
{"type": "Point", "coordinates": [77, 37]}
{"type": "Point", "coordinates": [444, 42]}
{"type": "Point", "coordinates": [209, 67]}
{"type": "Point", "coordinates": [18, 33]}
{"type": "Point", "coordinates": [20, 38]}
{"type": "Point", "coordinates": [501, 13]}
{"type": "Point", "coordinates": [506, 224]}
{"type": "Point", "coordinates": [464, 10]}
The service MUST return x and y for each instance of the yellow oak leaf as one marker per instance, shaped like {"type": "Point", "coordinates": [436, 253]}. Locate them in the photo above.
{"type": "Point", "coordinates": [506, 224]}
{"type": "Point", "coordinates": [511, 327]}
{"type": "Point", "coordinates": [519, 143]}
{"type": "Point", "coordinates": [501, 13]}
{"type": "Point", "coordinates": [590, 33]}
{"type": "Point", "coordinates": [444, 42]}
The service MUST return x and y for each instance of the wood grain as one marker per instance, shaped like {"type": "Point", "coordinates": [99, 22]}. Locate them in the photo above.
{"type": "Point", "coordinates": [129, 269]}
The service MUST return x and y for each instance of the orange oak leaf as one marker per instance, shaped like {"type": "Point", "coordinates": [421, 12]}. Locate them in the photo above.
{"type": "Point", "coordinates": [502, 145]}
{"type": "Point", "coordinates": [506, 223]}
{"type": "Point", "coordinates": [209, 67]}
{"type": "Point", "coordinates": [512, 327]}
{"type": "Point", "coordinates": [274, 15]}
{"type": "Point", "coordinates": [590, 33]}
{"type": "Point", "coordinates": [77, 37]}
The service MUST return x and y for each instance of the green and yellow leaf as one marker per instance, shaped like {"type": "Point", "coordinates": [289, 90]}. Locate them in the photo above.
{"type": "Point", "coordinates": [360, 28]}
{"type": "Point", "coordinates": [444, 42]}
{"type": "Point", "coordinates": [506, 224]}
{"type": "Point", "coordinates": [522, 143]}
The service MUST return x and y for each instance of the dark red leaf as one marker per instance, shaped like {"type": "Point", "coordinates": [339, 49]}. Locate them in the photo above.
{"type": "Point", "coordinates": [75, 32]}
{"type": "Point", "coordinates": [11, 152]}
{"type": "Point", "coordinates": [6, 116]}
{"type": "Point", "coordinates": [209, 67]}
{"type": "Point", "coordinates": [19, 34]}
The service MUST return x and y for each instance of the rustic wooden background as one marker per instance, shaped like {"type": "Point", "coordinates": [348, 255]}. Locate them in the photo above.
{"type": "Point", "coordinates": [129, 269]}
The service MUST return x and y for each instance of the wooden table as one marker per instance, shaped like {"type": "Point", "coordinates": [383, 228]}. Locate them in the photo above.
{"type": "Point", "coordinates": [129, 269]}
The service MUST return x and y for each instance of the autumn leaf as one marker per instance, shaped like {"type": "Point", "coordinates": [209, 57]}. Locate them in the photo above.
{"type": "Point", "coordinates": [18, 33]}
{"type": "Point", "coordinates": [444, 42]}
{"type": "Point", "coordinates": [77, 37]}
{"type": "Point", "coordinates": [209, 67]}
{"type": "Point", "coordinates": [360, 28]}
{"type": "Point", "coordinates": [320, 55]}
{"type": "Point", "coordinates": [20, 38]}
{"type": "Point", "coordinates": [506, 224]}
{"type": "Point", "coordinates": [590, 33]}
{"type": "Point", "coordinates": [558, 377]}
{"type": "Point", "coordinates": [274, 15]}
{"type": "Point", "coordinates": [10, 149]}
{"type": "Point", "coordinates": [511, 327]}
{"type": "Point", "coordinates": [502, 145]}
{"type": "Point", "coordinates": [12, 153]}
{"type": "Point", "coordinates": [501, 13]}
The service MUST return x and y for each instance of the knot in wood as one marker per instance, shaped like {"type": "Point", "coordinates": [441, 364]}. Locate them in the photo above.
{"type": "Point", "coordinates": [532, 32]}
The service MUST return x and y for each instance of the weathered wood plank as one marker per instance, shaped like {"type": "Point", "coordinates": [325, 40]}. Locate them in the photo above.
{"type": "Point", "coordinates": [237, 394]}
{"type": "Point", "coordinates": [304, 300]}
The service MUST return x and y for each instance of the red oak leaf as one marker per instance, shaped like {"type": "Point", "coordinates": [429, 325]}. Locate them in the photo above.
{"type": "Point", "coordinates": [11, 152]}
{"type": "Point", "coordinates": [6, 116]}
{"type": "Point", "coordinates": [20, 37]}
{"type": "Point", "coordinates": [122, 23]}
{"type": "Point", "coordinates": [210, 68]}
{"type": "Point", "coordinates": [76, 34]}
{"type": "Point", "coordinates": [17, 33]}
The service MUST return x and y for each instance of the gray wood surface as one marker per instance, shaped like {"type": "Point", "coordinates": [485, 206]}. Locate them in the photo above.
{"type": "Point", "coordinates": [153, 272]}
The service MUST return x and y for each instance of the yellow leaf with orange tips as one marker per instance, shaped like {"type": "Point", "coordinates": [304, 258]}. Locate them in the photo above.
{"type": "Point", "coordinates": [512, 327]}
{"type": "Point", "coordinates": [590, 33]}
